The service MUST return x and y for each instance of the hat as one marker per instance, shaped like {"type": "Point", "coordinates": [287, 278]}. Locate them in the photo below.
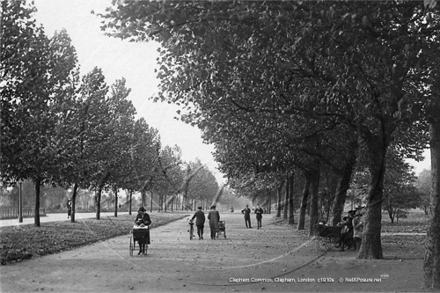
{"type": "Point", "coordinates": [213, 207]}
{"type": "Point", "coordinates": [199, 208]}
{"type": "Point", "coordinates": [141, 209]}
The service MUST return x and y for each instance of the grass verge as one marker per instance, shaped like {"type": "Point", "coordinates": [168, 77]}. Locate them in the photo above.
{"type": "Point", "coordinates": [24, 242]}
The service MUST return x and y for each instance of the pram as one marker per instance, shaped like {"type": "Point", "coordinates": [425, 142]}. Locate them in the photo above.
{"type": "Point", "coordinates": [139, 235]}
{"type": "Point", "coordinates": [221, 229]}
{"type": "Point", "coordinates": [329, 238]}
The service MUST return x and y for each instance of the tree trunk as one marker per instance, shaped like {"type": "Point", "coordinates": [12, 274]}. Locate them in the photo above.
{"type": "Point", "coordinates": [144, 197]}
{"type": "Point", "coordinates": [98, 199]}
{"type": "Point", "coordinates": [314, 213]}
{"type": "Point", "coordinates": [291, 214]}
{"type": "Point", "coordinates": [371, 247]}
{"type": "Point", "coordinates": [269, 205]}
{"type": "Point", "coordinates": [305, 196]}
{"type": "Point", "coordinates": [279, 194]}
{"type": "Point", "coordinates": [151, 201]}
{"type": "Point", "coordinates": [37, 202]}
{"type": "Point", "coordinates": [341, 191]}
{"type": "Point", "coordinates": [116, 202]}
{"type": "Point", "coordinates": [431, 263]}
{"type": "Point", "coordinates": [391, 213]}
{"type": "Point", "coordinates": [75, 190]}
{"type": "Point", "coordinates": [286, 201]}
{"type": "Point", "coordinates": [98, 204]}
{"type": "Point", "coordinates": [129, 207]}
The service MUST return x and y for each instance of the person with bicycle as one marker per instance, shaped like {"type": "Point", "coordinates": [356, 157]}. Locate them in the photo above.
{"type": "Point", "coordinates": [199, 215]}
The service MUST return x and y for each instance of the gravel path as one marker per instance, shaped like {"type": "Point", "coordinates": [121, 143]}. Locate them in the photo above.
{"type": "Point", "coordinates": [276, 258]}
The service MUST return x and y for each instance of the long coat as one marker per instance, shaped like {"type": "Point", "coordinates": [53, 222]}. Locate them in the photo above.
{"type": "Point", "coordinates": [214, 218]}
{"type": "Point", "coordinates": [259, 212]}
{"type": "Point", "coordinates": [200, 218]}
{"type": "Point", "coordinates": [246, 212]}
{"type": "Point", "coordinates": [143, 219]}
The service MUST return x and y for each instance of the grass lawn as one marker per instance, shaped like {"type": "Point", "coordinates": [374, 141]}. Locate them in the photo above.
{"type": "Point", "coordinates": [23, 242]}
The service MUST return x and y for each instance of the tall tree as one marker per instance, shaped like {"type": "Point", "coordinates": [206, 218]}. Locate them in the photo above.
{"type": "Point", "coordinates": [366, 64]}
{"type": "Point", "coordinates": [36, 74]}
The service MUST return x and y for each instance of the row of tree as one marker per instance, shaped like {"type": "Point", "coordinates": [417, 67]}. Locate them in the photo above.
{"type": "Point", "coordinates": [77, 132]}
{"type": "Point", "coordinates": [289, 88]}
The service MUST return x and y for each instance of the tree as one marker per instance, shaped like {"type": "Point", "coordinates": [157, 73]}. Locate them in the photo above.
{"type": "Point", "coordinates": [144, 156]}
{"type": "Point", "coordinates": [36, 75]}
{"type": "Point", "coordinates": [424, 185]}
{"type": "Point", "coordinates": [366, 64]}
{"type": "Point", "coordinates": [400, 192]}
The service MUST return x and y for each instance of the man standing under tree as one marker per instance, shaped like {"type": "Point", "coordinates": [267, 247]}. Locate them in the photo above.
{"type": "Point", "coordinates": [259, 211]}
{"type": "Point", "coordinates": [247, 216]}
{"type": "Point", "coordinates": [200, 221]}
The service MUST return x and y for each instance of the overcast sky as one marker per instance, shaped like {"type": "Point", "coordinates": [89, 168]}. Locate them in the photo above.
{"type": "Point", "coordinates": [136, 63]}
{"type": "Point", "coordinates": [133, 61]}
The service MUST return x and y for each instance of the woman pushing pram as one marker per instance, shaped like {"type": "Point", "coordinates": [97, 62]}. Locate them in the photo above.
{"type": "Point", "coordinates": [141, 231]}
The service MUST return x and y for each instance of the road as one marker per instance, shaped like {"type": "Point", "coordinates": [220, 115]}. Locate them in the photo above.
{"type": "Point", "coordinates": [55, 218]}
{"type": "Point", "coordinates": [277, 258]}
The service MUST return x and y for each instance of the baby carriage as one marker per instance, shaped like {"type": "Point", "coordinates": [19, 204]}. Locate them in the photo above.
{"type": "Point", "coordinates": [329, 238]}
{"type": "Point", "coordinates": [221, 229]}
{"type": "Point", "coordinates": [140, 235]}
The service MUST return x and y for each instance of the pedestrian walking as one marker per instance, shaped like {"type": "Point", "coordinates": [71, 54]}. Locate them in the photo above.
{"type": "Point", "coordinates": [200, 221]}
{"type": "Point", "coordinates": [214, 218]}
{"type": "Point", "coordinates": [247, 216]}
{"type": "Point", "coordinates": [69, 208]}
{"type": "Point", "coordinates": [259, 211]}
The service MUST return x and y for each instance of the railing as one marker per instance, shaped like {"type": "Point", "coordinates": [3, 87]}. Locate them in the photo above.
{"type": "Point", "coordinates": [12, 213]}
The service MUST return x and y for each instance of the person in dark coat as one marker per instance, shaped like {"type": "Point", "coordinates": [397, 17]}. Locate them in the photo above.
{"type": "Point", "coordinates": [200, 221]}
{"type": "Point", "coordinates": [143, 220]}
{"type": "Point", "coordinates": [214, 218]}
{"type": "Point", "coordinates": [259, 211]}
{"type": "Point", "coordinates": [347, 230]}
{"type": "Point", "coordinates": [69, 208]}
{"type": "Point", "coordinates": [247, 216]}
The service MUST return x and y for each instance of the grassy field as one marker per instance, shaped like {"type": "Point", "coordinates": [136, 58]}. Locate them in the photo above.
{"type": "Point", "coordinates": [23, 242]}
{"type": "Point", "coordinates": [415, 222]}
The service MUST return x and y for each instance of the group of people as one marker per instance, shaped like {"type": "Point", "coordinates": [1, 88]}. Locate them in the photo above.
{"type": "Point", "coordinates": [214, 219]}
{"type": "Point", "coordinates": [247, 216]}
{"type": "Point", "coordinates": [352, 228]}
{"type": "Point", "coordinates": [143, 219]}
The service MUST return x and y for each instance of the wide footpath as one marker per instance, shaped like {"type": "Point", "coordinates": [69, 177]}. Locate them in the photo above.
{"type": "Point", "coordinates": [276, 258]}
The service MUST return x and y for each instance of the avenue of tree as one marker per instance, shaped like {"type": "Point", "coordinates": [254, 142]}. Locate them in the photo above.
{"type": "Point", "coordinates": [61, 129]}
{"type": "Point", "coordinates": [306, 93]}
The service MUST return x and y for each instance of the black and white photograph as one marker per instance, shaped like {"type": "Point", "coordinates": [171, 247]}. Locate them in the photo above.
{"type": "Point", "coordinates": [219, 146]}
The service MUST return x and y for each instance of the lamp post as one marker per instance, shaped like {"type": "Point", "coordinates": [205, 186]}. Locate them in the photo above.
{"type": "Point", "coordinates": [20, 203]}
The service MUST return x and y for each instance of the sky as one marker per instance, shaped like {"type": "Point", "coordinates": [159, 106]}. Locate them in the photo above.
{"type": "Point", "coordinates": [136, 63]}
{"type": "Point", "coordinates": [133, 61]}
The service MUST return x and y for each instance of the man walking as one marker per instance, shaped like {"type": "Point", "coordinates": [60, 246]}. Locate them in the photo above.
{"type": "Point", "coordinates": [200, 221]}
{"type": "Point", "coordinates": [247, 216]}
{"type": "Point", "coordinates": [259, 211]}
{"type": "Point", "coordinates": [214, 218]}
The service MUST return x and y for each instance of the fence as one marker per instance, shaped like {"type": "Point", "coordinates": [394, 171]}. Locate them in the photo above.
{"type": "Point", "coordinates": [12, 213]}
